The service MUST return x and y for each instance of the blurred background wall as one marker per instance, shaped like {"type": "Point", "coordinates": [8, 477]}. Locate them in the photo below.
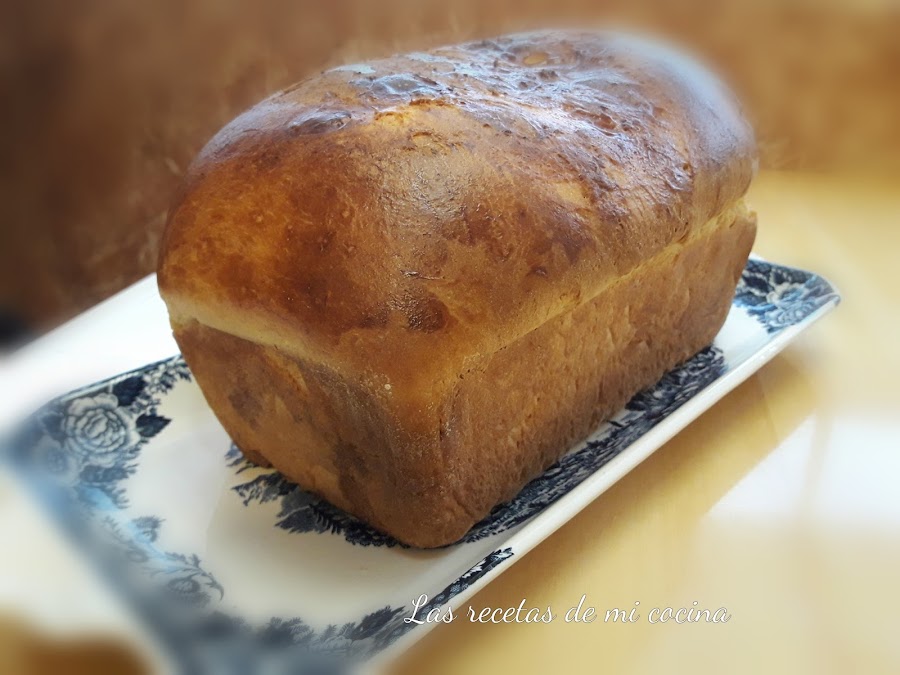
{"type": "Point", "coordinates": [105, 102]}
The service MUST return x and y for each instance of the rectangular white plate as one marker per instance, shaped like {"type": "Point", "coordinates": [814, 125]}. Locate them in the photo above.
{"type": "Point", "coordinates": [233, 566]}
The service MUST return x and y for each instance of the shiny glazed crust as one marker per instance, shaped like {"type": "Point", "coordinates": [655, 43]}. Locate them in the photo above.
{"type": "Point", "coordinates": [411, 284]}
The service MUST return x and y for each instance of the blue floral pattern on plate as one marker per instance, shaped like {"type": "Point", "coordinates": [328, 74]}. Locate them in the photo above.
{"type": "Point", "coordinates": [779, 296]}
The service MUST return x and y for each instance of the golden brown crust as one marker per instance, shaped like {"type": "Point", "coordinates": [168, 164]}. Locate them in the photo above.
{"type": "Point", "coordinates": [441, 203]}
{"type": "Point", "coordinates": [381, 230]}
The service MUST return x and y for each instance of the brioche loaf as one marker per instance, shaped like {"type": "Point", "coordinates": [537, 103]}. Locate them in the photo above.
{"type": "Point", "coordinates": [411, 284]}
